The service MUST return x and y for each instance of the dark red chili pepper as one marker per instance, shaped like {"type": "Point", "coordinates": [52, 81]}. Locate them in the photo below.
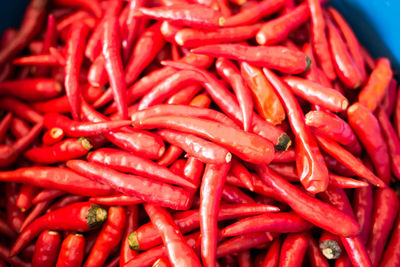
{"type": "Point", "coordinates": [47, 194]}
{"type": "Point", "coordinates": [373, 92]}
{"type": "Point", "coordinates": [128, 162]}
{"type": "Point", "coordinates": [362, 206]}
{"type": "Point", "coordinates": [92, 6]}
{"type": "Point", "coordinates": [116, 200]}
{"type": "Point", "coordinates": [6, 230]}
{"type": "Point", "coordinates": [15, 217]}
{"type": "Point", "coordinates": [67, 149]}
{"type": "Point", "coordinates": [66, 201]}
{"type": "Point", "coordinates": [72, 251]}
{"type": "Point", "coordinates": [5, 125]}
{"type": "Point", "coordinates": [82, 217]}
{"type": "Point", "coordinates": [276, 30]}
{"type": "Point", "coordinates": [282, 222]}
{"type": "Point", "coordinates": [310, 164]}
{"type": "Point", "coordinates": [254, 13]}
{"type": "Point", "coordinates": [210, 196]}
{"type": "Point", "coordinates": [108, 238]}
{"type": "Point", "coordinates": [319, 41]}
{"type": "Point", "coordinates": [348, 160]}
{"type": "Point", "coordinates": [179, 252]}
{"type": "Point", "coordinates": [26, 194]}
{"type": "Point", "coordinates": [233, 194]}
{"type": "Point", "coordinates": [333, 127]}
{"type": "Point", "coordinates": [34, 17]}
{"type": "Point", "coordinates": [196, 16]}
{"type": "Point", "coordinates": [46, 249]}
{"type": "Point", "coordinates": [389, 101]}
{"type": "Point", "coordinates": [50, 39]}
{"type": "Point", "coordinates": [274, 57]}
{"type": "Point", "coordinates": [367, 128]}
{"type": "Point", "coordinates": [19, 128]}
{"type": "Point", "coordinates": [52, 136]}
{"type": "Point", "coordinates": [148, 190]}
{"type": "Point", "coordinates": [35, 212]}
{"type": "Point", "coordinates": [391, 255]}
{"type": "Point", "coordinates": [345, 66]}
{"type": "Point", "coordinates": [74, 57]}
{"type": "Point", "coordinates": [20, 109]}
{"type": "Point", "coordinates": [14, 260]}
{"type": "Point", "coordinates": [386, 207]}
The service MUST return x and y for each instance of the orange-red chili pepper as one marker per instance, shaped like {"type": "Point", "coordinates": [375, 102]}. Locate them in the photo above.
{"type": "Point", "coordinates": [72, 251]}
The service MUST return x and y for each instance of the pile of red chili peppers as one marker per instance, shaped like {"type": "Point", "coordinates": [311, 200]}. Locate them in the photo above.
{"type": "Point", "coordinates": [195, 133]}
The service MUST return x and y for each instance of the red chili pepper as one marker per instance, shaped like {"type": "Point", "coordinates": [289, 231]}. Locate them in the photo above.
{"type": "Point", "coordinates": [272, 257]}
{"type": "Point", "coordinates": [26, 194]}
{"type": "Point", "coordinates": [315, 256]}
{"type": "Point", "coordinates": [362, 206]}
{"type": "Point", "coordinates": [254, 13]}
{"type": "Point", "coordinates": [15, 217]}
{"type": "Point", "coordinates": [97, 73]}
{"type": "Point", "coordinates": [331, 246]}
{"type": "Point", "coordinates": [147, 47]}
{"type": "Point", "coordinates": [193, 15]}
{"type": "Point", "coordinates": [50, 39]}
{"type": "Point", "coordinates": [386, 207]}
{"type": "Point", "coordinates": [293, 250]}
{"type": "Point", "coordinates": [68, 149]}
{"type": "Point", "coordinates": [19, 128]}
{"type": "Point", "coordinates": [130, 27]}
{"type": "Point", "coordinates": [108, 238]}
{"type": "Point", "coordinates": [391, 255]}
{"type": "Point", "coordinates": [170, 156]}
{"type": "Point", "coordinates": [6, 230]}
{"type": "Point", "coordinates": [319, 41]}
{"type": "Point", "coordinates": [243, 242]}
{"type": "Point", "coordinates": [46, 249]}
{"type": "Point", "coordinates": [228, 71]}
{"type": "Point", "coordinates": [310, 164]}
{"type": "Point", "coordinates": [56, 178]}
{"type": "Point", "coordinates": [189, 37]}
{"type": "Point", "coordinates": [148, 190]}
{"type": "Point", "coordinates": [66, 201]}
{"type": "Point", "coordinates": [348, 160]}
{"type": "Point", "coordinates": [285, 156]}
{"type": "Point", "coordinates": [72, 251]}
{"type": "Point", "coordinates": [5, 125]}
{"type": "Point", "coordinates": [367, 128]}
{"type": "Point", "coordinates": [74, 57]}
{"type": "Point", "coordinates": [20, 109]}
{"type": "Point", "coordinates": [266, 101]}
{"type": "Point", "coordinates": [32, 21]}
{"type": "Point", "coordinates": [92, 6]}
{"type": "Point", "coordinates": [132, 222]}
{"type": "Point", "coordinates": [82, 217]}
{"type": "Point", "coordinates": [276, 30]}
{"type": "Point", "coordinates": [233, 194]}
{"type": "Point", "coordinates": [314, 93]}
{"type": "Point", "coordinates": [333, 127]}
{"type": "Point", "coordinates": [373, 92]}
{"type": "Point", "coordinates": [345, 66]}
{"type": "Point", "coordinates": [389, 101]}
{"type": "Point", "coordinates": [274, 57]}
{"type": "Point", "coordinates": [35, 212]}
{"type": "Point", "coordinates": [46, 60]}
{"type": "Point", "coordinates": [210, 196]}
{"type": "Point", "coordinates": [179, 252]}
{"type": "Point", "coordinates": [52, 136]}
{"type": "Point", "coordinates": [116, 200]}
{"type": "Point", "coordinates": [283, 222]}
{"type": "Point", "coordinates": [240, 171]}
{"type": "Point", "coordinates": [14, 260]}
{"type": "Point", "coordinates": [47, 194]}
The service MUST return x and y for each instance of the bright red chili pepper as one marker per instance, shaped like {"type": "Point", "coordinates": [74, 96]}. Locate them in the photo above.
{"type": "Point", "coordinates": [97, 73]}
{"type": "Point", "coordinates": [82, 217]}
{"type": "Point", "coordinates": [293, 250]}
{"type": "Point", "coordinates": [386, 207]}
{"type": "Point", "coordinates": [46, 60]}
{"type": "Point", "coordinates": [179, 252]}
{"type": "Point", "coordinates": [52, 136]}
{"type": "Point", "coordinates": [272, 256]}
{"type": "Point", "coordinates": [233, 194]}
{"type": "Point", "coordinates": [132, 222]}
{"type": "Point", "coordinates": [50, 39]}
{"type": "Point", "coordinates": [162, 262]}
{"type": "Point", "coordinates": [331, 246]}
{"type": "Point", "coordinates": [47, 194]}
{"type": "Point", "coordinates": [315, 256]}
{"type": "Point", "coordinates": [34, 213]}
{"type": "Point", "coordinates": [147, 189]}
{"type": "Point", "coordinates": [72, 251]}
{"type": "Point", "coordinates": [46, 249]}
{"type": "Point", "coordinates": [66, 201]}
{"type": "Point", "coordinates": [362, 206]}
{"type": "Point", "coordinates": [116, 200]}
{"type": "Point", "coordinates": [367, 128]}
{"type": "Point", "coordinates": [19, 128]}
{"type": "Point", "coordinates": [170, 156]}
{"type": "Point", "coordinates": [128, 162]}
{"type": "Point", "coordinates": [240, 171]}
{"type": "Point", "coordinates": [274, 57]}
{"type": "Point", "coordinates": [276, 30]}
{"type": "Point", "coordinates": [310, 164]}
{"type": "Point", "coordinates": [26, 194]}
{"type": "Point", "coordinates": [391, 255]}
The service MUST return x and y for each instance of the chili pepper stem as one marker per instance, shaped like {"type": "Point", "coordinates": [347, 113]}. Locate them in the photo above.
{"type": "Point", "coordinates": [96, 216]}
{"type": "Point", "coordinates": [133, 241]}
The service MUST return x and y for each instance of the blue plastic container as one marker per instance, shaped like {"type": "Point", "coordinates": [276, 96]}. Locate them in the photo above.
{"type": "Point", "coordinates": [376, 23]}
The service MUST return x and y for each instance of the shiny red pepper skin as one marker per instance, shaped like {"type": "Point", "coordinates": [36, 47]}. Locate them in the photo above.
{"type": "Point", "coordinates": [65, 201]}
{"type": "Point", "coordinates": [272, 256]}
{"type": "Point", "coordinates": [362, 206]}
{"type": "Point", "coordinates": [26, 194]}
{"type": "Point", "coordinates": [35, 212]}
{"type": "Point", "coordinates": [52, 136]}
{"type": "Point", "coordinates": [92, 5]}
{"type": "Point", "coordinates": [233, 194]}
{"type": "Point", "coordinates": [132, 222]}
{"type": "Point", "coordinates": [20, 109]}
{"type": "Point", "coordinates": [31, 89]}
{"type": "Point", "coordinates": [6, 230]}
{"type": "Point", "coordinates": [293, 250]}
{"type": "Point", "coordinates": [72, 251]}
{"type": "Point", "coordinates": [82, 217]}
{"type": "Point", "coordinates": [46, 249]}
{"type": "Point", "coordinates": [391, 255]}
{"type": "Point", "coordinates": [5, 125]}
{"type": "Point", "coordinates": [316, 258]}
{"type": "Point", "coordinates": [47, 194]}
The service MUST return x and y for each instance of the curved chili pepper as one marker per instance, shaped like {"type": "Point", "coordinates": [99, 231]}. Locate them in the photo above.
{"type": "Point", "coordinates": [72, 251]}
{"type": "Point", "coordinates": [26, 194]}
{"type": "Point", "coordinates": [46, 60]}
{"type": "Point", "coordinates": [276, 30]}
{"type": "Point", "coordinates": [282, 222]}
{"type": "Point", "coordinates": [146, 189]}
{"type": "Point", "coordinates": [5, 125]}
{"type": "Point", "coordinates": [293, 250]}
{"type": "Point", "coordinates": [65, 201]}
{"type": "Point", "coordinates": [314, 93]}
{"type": "Point", "coordinates": [32, 21]}
{"type": "Point", "coordinates": [35, 212]}
{"type": "Point", "coordinates": [314, 254]}
{"type": "Point", "coordinates": [351, 40]}
{"type": "Point", "coordinates": [15, 217]}
{"type": "Point", "coordinates": [367, 128]}
{"type": "Point", "coordinates": [108, 238]}
{"type": "Point", "coordinates": [228, 71]}
{"type": "Point", "coordinates": [319, 41]}
{"type": "Point", "coordinates": [258, 150]}
{"type": "Point", "coordinates": [348, 160]}
{"type": "Point", "coordinates": [386, 207]}
{"type": "Point", "coordinates": [235, 195]}
{"type": "Point", "coordinates": [79, 129]}
{"type": "Point", "coordinates": [74, 57]}
{"type": "Point", "coordinates": [19, 127]}
{"type": "Point", "coordinates": [130, 27]}
{"type": "Point", "coordinates": [285, 156]}
{"type": "Point", "coordinates": [52, 136]}
{"type": "Point", "coordinates": [62, 151]}
{"type": "Point", "coordinates": [333, 127]}
{"type": "Point", "coordinates": [20, 109]}
{"type": "Point", "coordinates": [179, 252]}
{"type": "Point", "coordinates": [170, 156]}
{"type": "Point", "coordinates": [226, 101]}
{"type": "Point", "coordinates": [310, 164]}
{"type": "Point", "coordinates": [184, 95]}
{"type": "Point", "coordinates": [132, 222]}
{"type": "Point", "coordinates": [97, 73]}
{"type": "Point", "coordinates": [373, 92]}
{"type": "Point", "coordinates": [189, 37]}
{"type": "Point", "coordinates": [240, 171]}
{"type": "Point", "coordinates": [47, 194]}
{"type": "Point", "coordinates": [391, 255]}
{"type": "Point", "coordinates": [14, 260]}
{"type": "Point", "coordinates": [362, 206]}
{"type": "Point", "coordinates": [50, 39]}
{"type": "Point", "coordinates": [193, 15]}
{"type": "Point", "coordinates": [128, 162]}
{"type": "Point", "coordinates": [266, 101]}
{"type": "Point", "coordinates": [254, 13]}
{"type": "Point", "coordinates": [311, 209]}
{"type": "Point", "coordinates": [46, 249]}
{"type": "Point", "coordinates": [389, 101]}
{"type": "Point", "coordinates": [6, 230]}
{"type": "Point", "coordinates": [275, 57]}
{"type": "Point", "coordinates": [331, 246]}
{"type": "Point", "coordinates": [82, 217]}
